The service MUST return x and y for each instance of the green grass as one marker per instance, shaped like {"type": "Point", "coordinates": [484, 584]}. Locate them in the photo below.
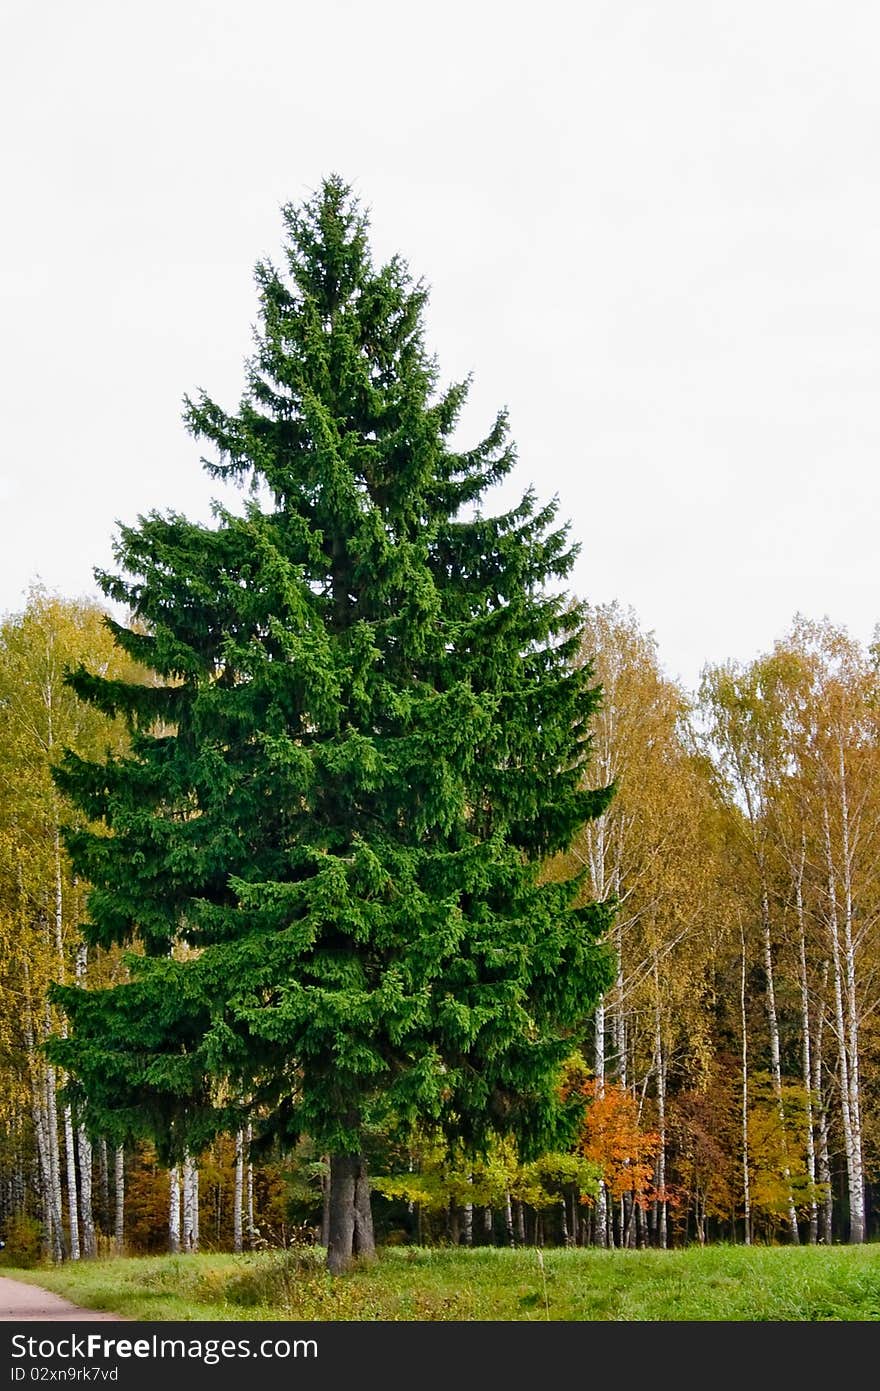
{"type": "Point", "coordinates": [720, 1283]}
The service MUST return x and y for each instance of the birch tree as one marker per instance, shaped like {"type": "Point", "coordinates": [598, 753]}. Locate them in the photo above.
{"type": "Point", "coordinates": [745, 733]}
{"type": "Point", "coordinates": [838, 766]}
{"type": "Point", "coordinates": [40, 900]}
{"type": "Point", "coordinates": [651, 854]}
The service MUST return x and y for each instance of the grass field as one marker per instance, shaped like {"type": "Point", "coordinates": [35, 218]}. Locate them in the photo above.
{"type": "Point", "coordinates": [718, 1283]}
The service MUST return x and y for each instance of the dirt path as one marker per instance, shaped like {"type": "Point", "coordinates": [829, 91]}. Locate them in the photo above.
{"type": "Point", "coordinates": [29, 1302]}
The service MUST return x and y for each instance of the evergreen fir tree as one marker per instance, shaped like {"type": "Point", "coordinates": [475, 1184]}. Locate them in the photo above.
{"type": "Point", "coordinates": [367, 730]}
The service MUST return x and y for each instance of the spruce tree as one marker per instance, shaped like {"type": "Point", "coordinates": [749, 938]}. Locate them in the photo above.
{"type": "Point", "coordinates": [366, 731]}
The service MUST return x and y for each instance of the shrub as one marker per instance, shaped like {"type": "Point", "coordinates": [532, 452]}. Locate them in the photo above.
{"type": "Point", "coordinates": [24, 1242]}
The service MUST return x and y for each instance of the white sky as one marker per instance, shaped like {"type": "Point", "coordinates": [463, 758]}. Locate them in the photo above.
{"type": "Point", "coordinates": [651, 230]}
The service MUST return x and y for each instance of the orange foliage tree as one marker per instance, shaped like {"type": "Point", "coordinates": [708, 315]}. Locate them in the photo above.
{"type": "Point", "coordinates": [612, 1137]}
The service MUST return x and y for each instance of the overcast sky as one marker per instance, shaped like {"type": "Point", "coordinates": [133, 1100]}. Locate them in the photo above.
{"type": "Point", "coordinates": [650, 230]}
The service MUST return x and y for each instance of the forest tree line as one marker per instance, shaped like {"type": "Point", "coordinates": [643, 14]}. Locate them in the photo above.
{"type": "Point", "coordinates": [731, 1072]}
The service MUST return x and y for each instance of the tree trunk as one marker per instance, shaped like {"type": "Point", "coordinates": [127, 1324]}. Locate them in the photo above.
{"type": "Point", "coordinates": [629, 1238]}
{"type": "Point", "coordinates": [747, 1199]}
{"type": "Point", "coordinates": [775, 1062]}
{"type": "Point", "coordinates": [857, 1195]}
{"type": "Point", "coordinates": [325, 1207]}
{"type": "Point", "coordinates": [195, 1207]}
{"type": "Point", "coordinates": [468, 1222]}
{"type": "Point", "coordinates": [69, 1147]}
{"type": "Point", "coordinates": [520, 1224]}
{"type": "Point", "coordinates": [72, 1197]}
{"type": "Point", "coordinates": [119, 1191]}
{"type": "Point", "coordinates": [54, 1157]}
{"type": "Point", "coordinates": [251, 1228]}
{"type": "Point", "coordinates": [661, 1112]}
{"type": "Point", "coordinates": [826, 1231]}
{"type": "Point", "coordinates": [343, 1181]}
{"type": "Point", "coordinates": [238, 1191]}
{"type": "Point", "coordinates": [508, 1219]}
{"type": "Point", "coordinates": [51, 1211]}
{"type": "Point", "coordinates": [453, 1223]}
{"type": "Point", "coordinates": [618, 1022]}
{"type": "Point", "coordinates": [54, 1232]}
{"type": "Point", "coordinates": [806, 1041]}
{"type": "Point", "coordinates": [187, 1223]}
{"type": "Point", "coordinates": [89, 1242]}
{"type": "Point", "coordinates": [855, 1188]}
{"type": "Point", "coordinates": [190, 1235]}
{"type": "Point", "coordinates": [596, 853]}
{"type": "Point", "coordinates": [103, 1187]}
{"type": "Point", "coordinates": [601, 1227]}
{"type": "Point", "coordinates": [174, 1210]}
{"type": "Point", "coordinates": [364, 1243]}
{"type": "Point", "coordinates": [827, 1212]}
{"type": "Point", "coordinates": [84, 1145]}
{"type": "Point", "coordinates": [641, 1226]}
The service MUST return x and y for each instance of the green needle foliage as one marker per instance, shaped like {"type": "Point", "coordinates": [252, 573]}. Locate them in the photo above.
{"type": "Point", "coordinates": [366, 732]}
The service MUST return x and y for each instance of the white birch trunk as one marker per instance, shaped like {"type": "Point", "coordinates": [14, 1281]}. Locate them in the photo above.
{"type": "Point", "coordinates": [119, 1195]}
{"type": "Point", "coordinates": [54, 1155]}
{"type": "Point", "coordinates": [194, 1184]}
{"type": "Point", "coordinates": [775, 1063]}
{"type": "Point", "coordinates": [238, 1192]}
{"type": "Point", "coordinates": [103, 1186]}
{"type": "Point", "coordinates": [619, 1021]}
{"type": "Point", "coordinates": [69, 1147]}
{"type": "Point", "coordinates": [747, 1199]}
{"type": "Point", "coordinates": [630, 1207]}
{"type": "Point", "coordinates": [853, 1173]}
{"type": "Point", "coordinates": [468, 1220]}
{"type": "Point", "coordinates": [857, 1195]}
{"type": "Point", "coordinates": [188, 1205]}
{"type": "Point", "coordinates": [251, 1227]}
{"type": "Point", "coordinates": [174, 1210]}
{"type": "Point", "coordinates": [72, 1201]}
{"type": "Point", "coordinates": [39, 1092]}
{"type": "Point", "coordinates": [508, 1218]}
{"type": "Point", "coordinates": [89, 1242]}
{"type": "Point", "coordinates": [596, 856]}
{"type": "Point", "coordinates": [823, 1159]}
{"type": "Point", "coordinates": [662, 1231]}
{"type": "Point", "coordinates": [602, 1223]}
{"type": "Point", "coordinates": [51, 1189]}
{"type": "Point", "coordinates": [806, 1045]}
